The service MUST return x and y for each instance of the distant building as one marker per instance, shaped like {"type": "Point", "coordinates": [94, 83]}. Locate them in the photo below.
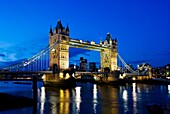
{"type": "Point", "coordinates": [83, 64]}
{"type": "Point", "coordinates": [161, 71]}
{"type": "Point", "coordinates": [167, 70]}
{"type": "Point", "coordinates": [74, 66]}
{"type": "Point", "coordinates": [92, 66]}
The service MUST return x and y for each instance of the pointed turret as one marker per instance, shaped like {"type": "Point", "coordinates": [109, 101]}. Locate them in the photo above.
{"type": "Point", "coordinates": [115, 39]}
{"type": "Point", "coordinates": [108, 37]}
{"type": "Point", "coordinates": [67, 30]}
{"type": "Point", "coordinates": [59, 26]}
{"type": "Point", "coordinates": [51, 31]}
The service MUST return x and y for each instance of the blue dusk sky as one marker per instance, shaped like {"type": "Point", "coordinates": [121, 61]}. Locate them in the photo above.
{"type": "Point", "coordinates": [142, 27]}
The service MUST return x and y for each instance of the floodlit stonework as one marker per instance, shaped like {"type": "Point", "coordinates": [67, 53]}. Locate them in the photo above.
{"type": "Point", "coordinates": [59, 56]}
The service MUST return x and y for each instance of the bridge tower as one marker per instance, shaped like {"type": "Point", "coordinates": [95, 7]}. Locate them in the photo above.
{"type": "Point", "coordinates": [108, 57]}
{"type": "Point", "coordinates": [59, 56]}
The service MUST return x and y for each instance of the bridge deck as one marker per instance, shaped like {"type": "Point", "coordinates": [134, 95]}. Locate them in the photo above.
{"type": "Point", "coordinates": [87, 45]}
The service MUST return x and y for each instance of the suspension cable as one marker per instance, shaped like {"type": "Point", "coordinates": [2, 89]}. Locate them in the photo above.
{"type": "Point", "coordinates": [32, 59]}
{"type": "Point", "coordinates": [126, 65]}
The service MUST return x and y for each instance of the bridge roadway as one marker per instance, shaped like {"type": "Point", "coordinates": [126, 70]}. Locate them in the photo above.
{"type": "Point", "coordinates": [83, 73]}
{"type": "Point", "coordinates": [77, 73]}
{"type": "Point", "coordinates": [46, 72]}
{"type": "Point", "coordinates": [25, 72]}
{"type": "Point", "coordinates": [87, 45]}
{"type": "Point", "coordinates": [28, 73]}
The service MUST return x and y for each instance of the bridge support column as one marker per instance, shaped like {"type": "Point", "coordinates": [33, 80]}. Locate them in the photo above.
{"type": "Point", "coordinates": [105, 59]}
{"type": "Point", "coordinates": [113, 60]}
{"type": "Point", "coordinates": [59, 56]}
{"type": "Point", "coordinates": [51, 77]}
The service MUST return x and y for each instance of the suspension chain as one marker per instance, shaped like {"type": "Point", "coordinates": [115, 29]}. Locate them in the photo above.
{"type": "Point", "coordinates": [126, 65]}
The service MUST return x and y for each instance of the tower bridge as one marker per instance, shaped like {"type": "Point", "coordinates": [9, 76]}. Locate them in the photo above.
{"type": "Point", "coordinates": [59, 56]}
{"type": "Point", "coordinates": [55, 57]}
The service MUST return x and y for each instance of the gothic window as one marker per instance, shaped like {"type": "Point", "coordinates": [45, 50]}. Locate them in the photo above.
{"type": "Point", "coordinates": [64, 38]}
{"type": "Point", "coordinates": [63, 48]}
{"type": "Point", "coordinates": [54, 41]}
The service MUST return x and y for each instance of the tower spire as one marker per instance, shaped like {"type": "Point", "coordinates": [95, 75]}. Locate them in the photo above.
{"type": "Point", "coordinates": [67, 28]}
{"type": "Point", "coordinates": [59, 24]}
{"type": "Point", "coordinates": [51, 31]}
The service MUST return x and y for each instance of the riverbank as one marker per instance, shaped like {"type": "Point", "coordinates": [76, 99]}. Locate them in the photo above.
{"type": "Point", "coordinates": [8, 102]}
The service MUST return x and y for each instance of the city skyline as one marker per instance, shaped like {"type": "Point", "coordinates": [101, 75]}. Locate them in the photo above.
{"type": "Point", "coordinates": [142, 28]}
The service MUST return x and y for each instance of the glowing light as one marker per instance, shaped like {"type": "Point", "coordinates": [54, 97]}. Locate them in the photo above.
{"type": "Point", "coordinates": [61, 93]}
{"type": "Point", "coordinates": [63, 106]}
{"type": "Point", "coordinates": [61, 75]}
{"type": "Point", "coordinates": [92, 42]}
{"type": "Point", "coordinates": [42, 97]}
{"type": "Point", "coordinates": [25, 64]}
{"type": "Point", "coordinates": [53, 50]}
{"type": "Point", "coordinates": [95, 91]}
{"type": "Point", "coordinates": [94, 108]}
{"type": "Point", "coordinates": [122, 76]}
{"type": "Point", "coordinates": [78, 89]}
{"type": "Point", "coordinates": [43, 77]}
{"type": "Point", "coordinates": [73, 74]}
{"type": "Point", "coordinates": [168, 77]}
{"type": "Point", "coordinates": [169, 89]}
{"type": "Point", "coordinates": [134, 97]}
{"type": "Point", "coordinates": [74, 65]}
{"type": "Point", "coordinates": [67, 76]}
{"type": "Point", "coordinates": [94, 97]}
{"type": "Point", "coordinates": [133, 78]}
{"type": "Point", "coordinates": [125, 95]}
{"type": "Point", "coordinates": [78, 99]}
{"type": "Point", "coordinates": [95, 77]}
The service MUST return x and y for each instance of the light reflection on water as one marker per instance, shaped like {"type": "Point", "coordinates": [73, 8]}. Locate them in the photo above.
{"type": "Point", "coordinates": [134, 94]}
{"type": "Point", "coordinates": [125, 98]}
{"type": "Point", "coordinates": [42, 99]}
{"type": "Point", "coordinates": [94, 99]}
{"type": "Point", "coordinates": [78, 99]}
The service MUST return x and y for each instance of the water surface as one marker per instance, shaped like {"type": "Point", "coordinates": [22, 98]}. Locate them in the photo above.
{"type": "Point", "coordinates": [88, 98]}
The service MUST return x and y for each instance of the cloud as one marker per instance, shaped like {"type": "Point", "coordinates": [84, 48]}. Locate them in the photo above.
{"type": "Point", "coordinates": [140, 61]}
{"type": "Point", "coordinates": [10, 63]}
{"type": "Point", "coordinates": [22, 49]}
{"type": "Point", "coordinates": [77, 51]}
{"type": "Point", "coordinates": [2, 55]}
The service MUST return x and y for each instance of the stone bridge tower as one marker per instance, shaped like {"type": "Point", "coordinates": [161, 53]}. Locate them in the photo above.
{"type": "Point", "coordinates": [59, 56]}
{"type": "Point", "coordinates": [108, 57]}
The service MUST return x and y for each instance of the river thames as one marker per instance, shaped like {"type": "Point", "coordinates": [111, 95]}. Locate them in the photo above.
{"type": "Point", "coordinates": [87, 98]}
